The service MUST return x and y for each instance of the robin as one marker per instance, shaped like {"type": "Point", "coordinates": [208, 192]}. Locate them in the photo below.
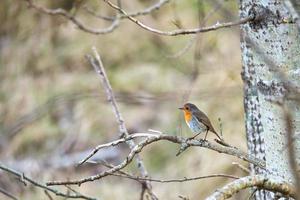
{"type": "Point", "coordinates": [197, 121]}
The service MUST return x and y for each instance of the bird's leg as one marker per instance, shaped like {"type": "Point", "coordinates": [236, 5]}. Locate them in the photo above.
{"type": "Point", "coordinates": [206, 134]}
{"type": "Point", "coordinates": [191, 138]}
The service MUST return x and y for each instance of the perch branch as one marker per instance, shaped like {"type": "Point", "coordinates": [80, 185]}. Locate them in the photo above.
{"type": "Point", "coordinates": [174, 139]}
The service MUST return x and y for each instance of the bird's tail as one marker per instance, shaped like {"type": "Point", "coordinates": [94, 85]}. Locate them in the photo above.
{"type": "Point", "coordinates": [217, 135]}
{"type": "Point", "coordinates": [221, 141]}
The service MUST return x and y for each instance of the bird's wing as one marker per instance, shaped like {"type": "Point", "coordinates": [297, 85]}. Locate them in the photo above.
{"type": "Point", "coordinates": [204, 119]}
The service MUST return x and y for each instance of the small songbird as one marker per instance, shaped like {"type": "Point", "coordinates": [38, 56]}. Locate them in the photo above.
{"type": "Point", "coordinates": [197, 121]}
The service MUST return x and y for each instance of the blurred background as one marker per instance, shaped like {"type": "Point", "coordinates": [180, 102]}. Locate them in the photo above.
{"type": "Point", "coordinates": [53, 109]}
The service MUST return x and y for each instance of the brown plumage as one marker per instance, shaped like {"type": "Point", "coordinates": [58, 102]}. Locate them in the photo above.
{"type": "Point", "coordinates": [197, 120]}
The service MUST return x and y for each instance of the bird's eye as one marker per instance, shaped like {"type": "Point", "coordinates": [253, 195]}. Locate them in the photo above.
{"type": "Point", "coordinates": [187, 108]}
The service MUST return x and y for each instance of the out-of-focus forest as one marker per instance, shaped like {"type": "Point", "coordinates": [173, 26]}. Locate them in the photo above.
{"type": "Point", "coordinates": [53, 108]}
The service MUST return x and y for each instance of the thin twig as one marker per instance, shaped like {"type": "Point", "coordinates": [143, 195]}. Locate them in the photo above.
{"type": "Point", "coordinates": [185, 49]}
{"type": "Point", "coordinates": [185, 179]}
{"type": "Point", "coordinates": [103, 174]}
{"type": "Point", "coordinates": [74, 20]}
{"type": "Point", "coordinates": [193, 40]}
{"type": "Point", "coordinates": [123, 174]}
{"type": "Point", "coordinates": [148, 10]}
{"type": "Point", "coordinates": [143, 190]}
{"type": "Point", "coordinates": [97, 64]}
{"type": "Point", "coordinates": [181, 31]}
{"type": "Point", "coordinates": [72, 190]}
{"type": "Point", "coordinates": [242, 167]}
{"type": "Point", "coordinates": [6, 193]}
{"type": "Point", "coordinates": [48, 195]}
{"type": "Point", "coordinates": [115, 20]}
{"type": "Point", "coordinates": [92, 12]}
{"type": "Point", "coordinates": [252, 194]}
{"type": "Point", "coordinates": [145, 11]}
{"type": "Point", "coordinates": [22, 177]}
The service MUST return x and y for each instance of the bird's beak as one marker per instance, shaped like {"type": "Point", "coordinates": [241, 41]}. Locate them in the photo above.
{"type": "Point", "coordinates": [180, 108]}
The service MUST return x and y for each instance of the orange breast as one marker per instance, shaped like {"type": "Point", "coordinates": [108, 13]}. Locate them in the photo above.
{"type": "Point", "coordinates": [187, 116]}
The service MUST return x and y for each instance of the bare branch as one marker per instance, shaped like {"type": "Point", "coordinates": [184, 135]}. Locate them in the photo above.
{"type": "Point", "coordinates": [48, 195]}
{"type": "Point", "coordinates": [180, 31]}
{"type": "Point", "coordinates": [99, 68]}
{"type": "Point", "coordinates": [185, 179]}
{"type": "Point", "coordinates": [114, 143]}
{"type": "Point", "coordinates": [175, 139]}
{"type": "Point", "coordinates": [185, 49]}
{"type": "Point", "coordinates": [142, 192]}
{"type": "Point", "coordinates": [91, 12]}
{"type": "Point", "coordinates": [72, 190]}
{"type": "Point", "coordinates": [242, 167]}
{"type": "Point", "coordinates": [123, 174]}
{"type": "Point", "coordinates": [193, 39]}
{"type": "Point", "coordinates": [97, 64]}
{"type": "Point", "coordinates": [77, 22]}
{"type": "Point", "coordinates": [6, 193]}
{"type": "Point", "coordinates": [129, 158]}
{"type": "Point", "coordinates": [24, 178]}
{"type": "Point", "coordinates": [146, 11]}
{"type": "Point", "coordinates": [258, 181]}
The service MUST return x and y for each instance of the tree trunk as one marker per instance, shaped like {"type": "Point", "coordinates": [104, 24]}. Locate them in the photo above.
{"type": "Point", "coordinates": [271, 55]}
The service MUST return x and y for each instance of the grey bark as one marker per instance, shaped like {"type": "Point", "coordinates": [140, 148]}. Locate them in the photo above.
{"type": "Point", "coordinates": [271, 61]}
